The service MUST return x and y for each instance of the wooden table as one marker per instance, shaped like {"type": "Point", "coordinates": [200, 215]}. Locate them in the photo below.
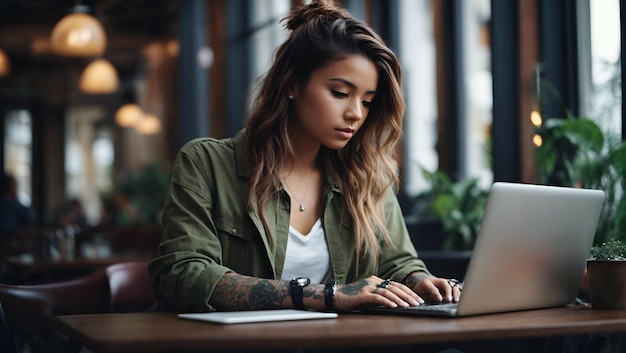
{"type": "Point", "coordinates": [164, 332]}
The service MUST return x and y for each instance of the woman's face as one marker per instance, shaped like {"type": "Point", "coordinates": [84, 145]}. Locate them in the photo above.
{"type": "Point", "coordinates": [334, 104]}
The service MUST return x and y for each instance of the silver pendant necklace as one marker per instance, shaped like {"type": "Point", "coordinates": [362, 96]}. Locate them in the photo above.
{"type": "Point", "coordinates": [306, 191]}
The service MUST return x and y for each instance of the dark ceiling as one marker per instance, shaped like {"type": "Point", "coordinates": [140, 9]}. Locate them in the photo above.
{"type": "Point", "coordinates": [129, 24]}
{"type": "Point", "coordinates": [119, 17]}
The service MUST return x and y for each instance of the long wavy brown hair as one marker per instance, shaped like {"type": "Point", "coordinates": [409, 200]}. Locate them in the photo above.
{"type": "Point", "coordinates": [366, 168]}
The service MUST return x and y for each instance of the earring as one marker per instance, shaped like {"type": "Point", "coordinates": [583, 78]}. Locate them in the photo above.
{"type": "Point", "coordinates": [290, 97]}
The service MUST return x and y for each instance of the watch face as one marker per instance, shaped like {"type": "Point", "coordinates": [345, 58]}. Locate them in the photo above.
{"type": "Point", "coordinates": [302, 281]}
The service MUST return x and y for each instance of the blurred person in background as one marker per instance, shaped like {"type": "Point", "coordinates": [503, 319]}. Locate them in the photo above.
{"type": "Point", "coordinates": [72, 215]}
{"type": "Point", "coordinates": [13, 214]}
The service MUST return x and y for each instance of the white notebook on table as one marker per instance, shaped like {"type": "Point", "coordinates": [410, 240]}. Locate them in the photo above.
{"type": "Point", "coordinates": [237, 317]}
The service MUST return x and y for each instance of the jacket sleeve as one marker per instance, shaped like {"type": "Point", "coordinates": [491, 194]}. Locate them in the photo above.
{"type": "Point", "coordinates": [188, 264]}
{"type": "Point", "coordinates": [398, 259]}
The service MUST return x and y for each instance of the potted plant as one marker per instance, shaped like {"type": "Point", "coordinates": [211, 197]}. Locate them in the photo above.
{"type": "Point", "coordinates": [590, 158]}
{"type": "Point", "coordinates": [576, 152]}
{"type": "Point", "coordinates": [139, 197]}
{"type": "Point", "coordinates": [458, 206]}
{"type": "Point", "coordinates": [606, 275]}
{"type": "Point", "coordinates": [444, 221]}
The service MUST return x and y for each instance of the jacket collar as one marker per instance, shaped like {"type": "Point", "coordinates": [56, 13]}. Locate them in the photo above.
{"type": "Point", "coordinates": [243, 170]}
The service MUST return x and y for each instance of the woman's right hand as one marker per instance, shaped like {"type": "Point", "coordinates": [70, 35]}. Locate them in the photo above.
{"type": "Point", "coordinates": [376, 291]}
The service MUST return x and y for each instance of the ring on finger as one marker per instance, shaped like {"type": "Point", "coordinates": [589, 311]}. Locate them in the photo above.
{"type": "Point", "coordinates": [384, 284]}
{"type": "Point", "coordinates": [455, 283]}
{"type": "Point", "coordinates": [376, 289]}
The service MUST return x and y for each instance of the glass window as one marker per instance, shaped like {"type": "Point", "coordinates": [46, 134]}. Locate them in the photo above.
{"type": "Point", "coordinates": [267, 34]}
{"type": "Point", "coordinates": [418, 59]}
{"type": "Point", "coordinates": [476, 155]}
{"type": "Point", "coordinates": [606, 98]}
{"type": "Point", "coordinates": [89, 156]}
{"type": "Point", "coordinates": [18, 151]}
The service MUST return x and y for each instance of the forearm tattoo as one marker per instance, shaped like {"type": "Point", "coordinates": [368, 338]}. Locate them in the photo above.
{"type": "Point", "coordinates": [313, 291]}
{"type": "Point", "coordinates": [238, 292]}
{"type": "Point", "coordinates": [354, 288]}
{"type": "Point", "coordinates": [413, 279]}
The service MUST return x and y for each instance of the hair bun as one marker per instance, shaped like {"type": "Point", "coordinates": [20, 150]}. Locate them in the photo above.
{"type": "Point", "coordinates": [317, 9]}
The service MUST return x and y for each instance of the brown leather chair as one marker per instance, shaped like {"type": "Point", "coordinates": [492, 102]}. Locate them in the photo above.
{"type": "Point", "coordinates": [30, 309]}
{"type": "Point", "coordinates": [7, 345]}
{"type": "Point", "coordinates": [130, 287]}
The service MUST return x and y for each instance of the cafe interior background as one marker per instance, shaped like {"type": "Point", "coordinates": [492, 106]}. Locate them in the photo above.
{"type": "Point", "coordinates": [175, 70]}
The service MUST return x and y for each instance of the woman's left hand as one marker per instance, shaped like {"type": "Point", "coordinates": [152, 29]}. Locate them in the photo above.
{"type": "Point", "coordinates": [439, 289]}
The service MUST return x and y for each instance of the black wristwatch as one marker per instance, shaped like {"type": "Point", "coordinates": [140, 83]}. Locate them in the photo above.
{"type": "Point", "coordinates": [329, 295]}
{"type": "Point", "coordinates": [297, 287]}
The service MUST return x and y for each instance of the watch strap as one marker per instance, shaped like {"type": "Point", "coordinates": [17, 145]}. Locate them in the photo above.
{"type": "Point", "coordinates": [297, 292]}
{"type": "Point", "coordinates": [329, 295]}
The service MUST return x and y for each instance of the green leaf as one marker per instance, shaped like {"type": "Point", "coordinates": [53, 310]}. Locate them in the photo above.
{"type": "Point", "coordinates": [583, 133]}
{"type": "Point", "coordinates": [443, 205]}
{"type": "Point", "coordinates": [612, 250]}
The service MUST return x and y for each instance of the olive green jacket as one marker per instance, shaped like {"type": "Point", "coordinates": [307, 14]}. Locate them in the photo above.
{"type": "Point", "coordinates": [209, 230]}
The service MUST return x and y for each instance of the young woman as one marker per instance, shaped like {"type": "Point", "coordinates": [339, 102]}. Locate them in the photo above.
{"type": "Point", "coordinates": [298, 210]}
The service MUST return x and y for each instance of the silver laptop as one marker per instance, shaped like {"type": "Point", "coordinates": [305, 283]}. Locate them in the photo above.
{"type": "Point", "coordinates": [530, 252]}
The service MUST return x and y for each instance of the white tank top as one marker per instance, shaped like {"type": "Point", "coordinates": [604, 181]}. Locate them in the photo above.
{"type": "Point", "coordinates": [307, 255]}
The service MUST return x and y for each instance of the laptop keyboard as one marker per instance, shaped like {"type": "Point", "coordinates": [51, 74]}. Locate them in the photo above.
{"type": "Point", "coordinates": [445, 306]}
{"type": "Point", "coordinates": [446, 309]}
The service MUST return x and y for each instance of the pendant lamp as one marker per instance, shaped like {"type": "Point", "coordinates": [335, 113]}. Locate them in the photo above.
{"type": "Point", "coordinates": [99, 77]}
{"type": "Point", "coordinates": [129, 114]}
{"type": "Point", "coordinates": [148, 125]}
{"type": "Point", "coordinates": [5, 64]}
{"type": "Point", "coordinates": [78, 34]}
